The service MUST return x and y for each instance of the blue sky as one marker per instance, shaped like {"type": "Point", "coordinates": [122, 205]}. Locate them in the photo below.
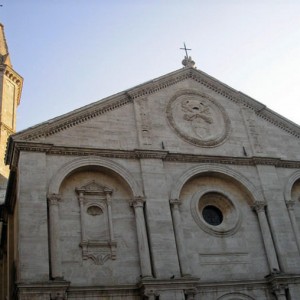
{"type": "Point", "coordinates": [72, 53]}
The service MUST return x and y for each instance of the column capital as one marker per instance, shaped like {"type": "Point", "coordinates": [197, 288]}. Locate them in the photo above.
{"type": "Point", "coordinates": [175, 202]}
{"type": "Point", "coordinates": [259, 206]}
{"type": "Point", "coordinates": [58, 296]}
{"type": "Point", "coordinates": [53, 199]}
{"type": "Point", "coordinates": [137, 202]}
{"type": "Point", "coordinates": [151, 294]}
{"type": "Point", "coordinates": [279, 288]}
{"type": "Point", "coordinates": [190, 293]}
{"type": "Point", "coordinates": [108, 191]}
{"type": "Point", "coordinates": [290, 204]}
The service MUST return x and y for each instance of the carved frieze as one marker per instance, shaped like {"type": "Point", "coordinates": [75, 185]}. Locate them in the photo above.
{"type": "Point", "coordinates": [198, 119]}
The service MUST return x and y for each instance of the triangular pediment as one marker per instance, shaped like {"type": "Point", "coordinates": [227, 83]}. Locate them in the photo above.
{"type": "Point", "coordinates": [93, 188]}
{"type": "Point", "coordinates": [116, 101]}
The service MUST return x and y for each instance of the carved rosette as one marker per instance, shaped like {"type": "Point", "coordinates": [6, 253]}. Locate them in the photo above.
{"type": "Point", "coordinates": [198, 119]}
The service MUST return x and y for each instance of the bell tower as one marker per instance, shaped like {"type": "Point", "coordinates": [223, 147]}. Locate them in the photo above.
{"type": "Point", "coordinates": [10, 92]}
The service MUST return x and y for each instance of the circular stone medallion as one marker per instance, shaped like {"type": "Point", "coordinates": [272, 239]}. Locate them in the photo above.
{"type": "Point", "coordinates": [198, 119]}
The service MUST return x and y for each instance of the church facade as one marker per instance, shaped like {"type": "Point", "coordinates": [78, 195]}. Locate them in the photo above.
{"type": "Point", "coordinates": [179, 188]}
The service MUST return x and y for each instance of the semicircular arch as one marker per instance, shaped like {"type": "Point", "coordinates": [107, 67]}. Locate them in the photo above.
{"type": "Point", "coordinates": [235, 296]}
{"type": "Point", "coordinates": [255, 194]}
{"type": "Point", "coordinates": [78, 163]}
{"type": "Point", "coordinates": [289, 185]}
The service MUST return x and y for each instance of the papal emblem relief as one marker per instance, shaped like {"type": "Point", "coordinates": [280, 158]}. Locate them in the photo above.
{"type": "Point", "coordinates": [198, 119]}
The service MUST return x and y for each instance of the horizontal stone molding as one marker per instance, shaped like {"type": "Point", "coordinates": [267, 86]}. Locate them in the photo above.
{"type": "Point", "coordinates": [225, 287]}
{"type": "Point", "coordinates": [146, 154]}
{"type": "Point", "coordinates": [70, 167]}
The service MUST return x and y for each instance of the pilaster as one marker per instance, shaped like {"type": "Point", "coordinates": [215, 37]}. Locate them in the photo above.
{"type": "Point", "coordinates": [145, 261]}
{"type": "Point", "coordinates": [182, 254]}
{"type": "Point", "coordinates": [290, 207]}
{"type": "Point", "coordinates": [279, 220]}
{"type": "Point", "coordinates": [259, 207]}
{"type": "Point", "coordinates": [33, 252]}
{"type": "Point", "coordinates": [54, 228]}
{"type": "Point", "coordinates": [159, 220]}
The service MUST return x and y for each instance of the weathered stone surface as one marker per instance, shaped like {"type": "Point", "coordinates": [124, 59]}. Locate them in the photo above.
{"type": "Point", "coordinates": [127, 180]}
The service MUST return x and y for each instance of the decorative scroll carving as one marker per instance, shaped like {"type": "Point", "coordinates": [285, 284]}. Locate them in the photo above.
{"type": "Point", "coordinates": [198, 119]}
{"type": "Point", "coordinates": [99, 252]}
{"type": "Point", "coordinates": [137, 202]}
{"type": "Point", "coordinates": [53, 199]}
{"type": "Point", "coordinates": [95, 208]}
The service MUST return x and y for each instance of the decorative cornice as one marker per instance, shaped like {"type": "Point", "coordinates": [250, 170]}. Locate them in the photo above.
{"type": "Point", "coordinates": [239, 97]}
{"type": "Point", "coordinates": [74, 118]}
{"type": "Point", "coordinates": [9, 130]}
{"type": "Point", "coordinates": [148, 154]}
{"type": "Point", "coordinates": [98, 108]}
{"type": "Point", "coordinates": [160, 83]}
{"type": "Point", "coordinates": [154, 285]}
{"type": "Point", "coordinates": [15, 78]}
{"type": "Point", "coordinates": [215, 112]}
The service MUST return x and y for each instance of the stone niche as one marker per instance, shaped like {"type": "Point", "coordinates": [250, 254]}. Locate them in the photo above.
{"type": "Point", "coordinates": [91, 197]}
{"type": "Point", "coordinates": [221, 231]}
{"type": "Point", "coordinates": [97, 234]}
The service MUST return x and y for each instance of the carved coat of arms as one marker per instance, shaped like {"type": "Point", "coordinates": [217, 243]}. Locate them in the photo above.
{"type": "Point", "coordinates": [198, 119]}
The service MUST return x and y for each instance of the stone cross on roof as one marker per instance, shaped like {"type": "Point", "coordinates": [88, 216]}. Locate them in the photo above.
{"type": "Point", "coordinates": [187, 61]}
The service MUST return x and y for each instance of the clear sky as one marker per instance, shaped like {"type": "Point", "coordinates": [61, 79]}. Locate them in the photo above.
{"type": "Point", "coordinates": [74, 52]}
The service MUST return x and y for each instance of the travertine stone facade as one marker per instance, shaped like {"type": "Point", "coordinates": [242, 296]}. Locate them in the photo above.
{"type": "Point", "coordinates": [180, 188]}
{"type": "Point", "coordinates": [10, 92]}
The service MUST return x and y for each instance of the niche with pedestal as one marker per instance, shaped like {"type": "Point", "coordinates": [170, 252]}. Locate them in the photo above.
{"type": "Point", "coordinates": [95, 256]}
{"type": "Point", "coordinates": [97, 234]}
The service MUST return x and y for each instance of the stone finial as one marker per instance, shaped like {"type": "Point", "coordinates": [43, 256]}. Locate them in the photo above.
{"type": "Point", "coordinates": [188, 62]}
